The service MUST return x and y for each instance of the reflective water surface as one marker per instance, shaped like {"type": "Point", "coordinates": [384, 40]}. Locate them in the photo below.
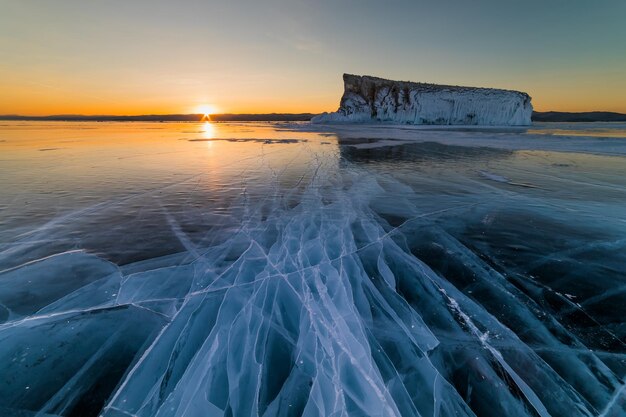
{"type": "Point", "coordinates": [201, 269]}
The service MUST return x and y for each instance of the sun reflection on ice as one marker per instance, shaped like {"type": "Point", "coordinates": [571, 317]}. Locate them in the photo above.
{"type": "Point", "coordinates": [208, 131]}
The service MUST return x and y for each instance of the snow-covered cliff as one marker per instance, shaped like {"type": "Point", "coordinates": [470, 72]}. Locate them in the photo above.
{"type": "Point", "coordinates": [372, 99]}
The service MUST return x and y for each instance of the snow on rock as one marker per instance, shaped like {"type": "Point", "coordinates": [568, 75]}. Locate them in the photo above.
{"type": "Point", "coordinates": [368, 99]}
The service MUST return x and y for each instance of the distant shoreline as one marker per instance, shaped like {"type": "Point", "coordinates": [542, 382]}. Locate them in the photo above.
{"type": "Point", "coordinates": [269, 117]}
{"type": "Point", "coordinates": [582, 117]}
{"type": "Point", "coordinates": [551, 116]}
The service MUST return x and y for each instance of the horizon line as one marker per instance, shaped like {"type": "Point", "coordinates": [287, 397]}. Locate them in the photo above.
{"type": "Point", "coordinates": [549, 116]}
{"type": "Point", "coordinates": [201, 116]}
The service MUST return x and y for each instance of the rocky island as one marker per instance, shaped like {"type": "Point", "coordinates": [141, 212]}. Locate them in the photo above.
{"type": "Point", "coordinates": [372, 99]}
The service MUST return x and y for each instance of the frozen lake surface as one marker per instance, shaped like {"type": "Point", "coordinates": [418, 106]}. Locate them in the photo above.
{"type": "Point", "coordinates": [248, 269]}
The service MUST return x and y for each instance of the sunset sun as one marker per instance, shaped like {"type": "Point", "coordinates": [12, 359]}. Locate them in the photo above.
{"type": "Point", "coordinates": [206, 110]}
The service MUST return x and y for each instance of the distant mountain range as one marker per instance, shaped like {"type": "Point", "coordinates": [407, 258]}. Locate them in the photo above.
{"type": "Point", "coordinates": [591, 116]}
{"type": "Point", "coordinates": [289, 117]}
{"type": "Point", "coordinates": [551, 116]}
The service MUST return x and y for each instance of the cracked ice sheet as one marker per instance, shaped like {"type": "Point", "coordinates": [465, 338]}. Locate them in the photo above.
{"type": "Point", "coordinates": [187, 276]}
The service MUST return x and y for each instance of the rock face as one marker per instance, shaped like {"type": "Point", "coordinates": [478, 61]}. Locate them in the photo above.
{"type": "Point", "coordinates": [372, 99]}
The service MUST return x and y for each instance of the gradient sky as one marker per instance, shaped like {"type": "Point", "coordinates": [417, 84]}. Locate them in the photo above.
{"type": "Point", "coordinates": [138, 56]}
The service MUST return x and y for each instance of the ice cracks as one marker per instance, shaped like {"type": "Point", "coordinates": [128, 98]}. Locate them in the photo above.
{"type": "Point", "coordinates": [315, 306]}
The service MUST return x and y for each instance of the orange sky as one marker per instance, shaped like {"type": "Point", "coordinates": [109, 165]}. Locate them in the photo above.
{"type": "Point", "coordinates": [155, 57]}
{"type": "Point", "coordinates": [69, 97]}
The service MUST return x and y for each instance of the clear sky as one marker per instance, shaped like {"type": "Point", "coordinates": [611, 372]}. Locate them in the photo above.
{"type": "Point", "coordinates": [140, 56]}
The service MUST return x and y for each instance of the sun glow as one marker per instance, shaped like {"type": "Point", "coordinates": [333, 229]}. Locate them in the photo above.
{"type": "Point", "coordinates": [206, 110]}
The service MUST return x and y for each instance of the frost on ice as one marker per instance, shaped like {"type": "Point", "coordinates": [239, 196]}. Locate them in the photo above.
{"type": "Point", "coordinates": [372, 99]}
